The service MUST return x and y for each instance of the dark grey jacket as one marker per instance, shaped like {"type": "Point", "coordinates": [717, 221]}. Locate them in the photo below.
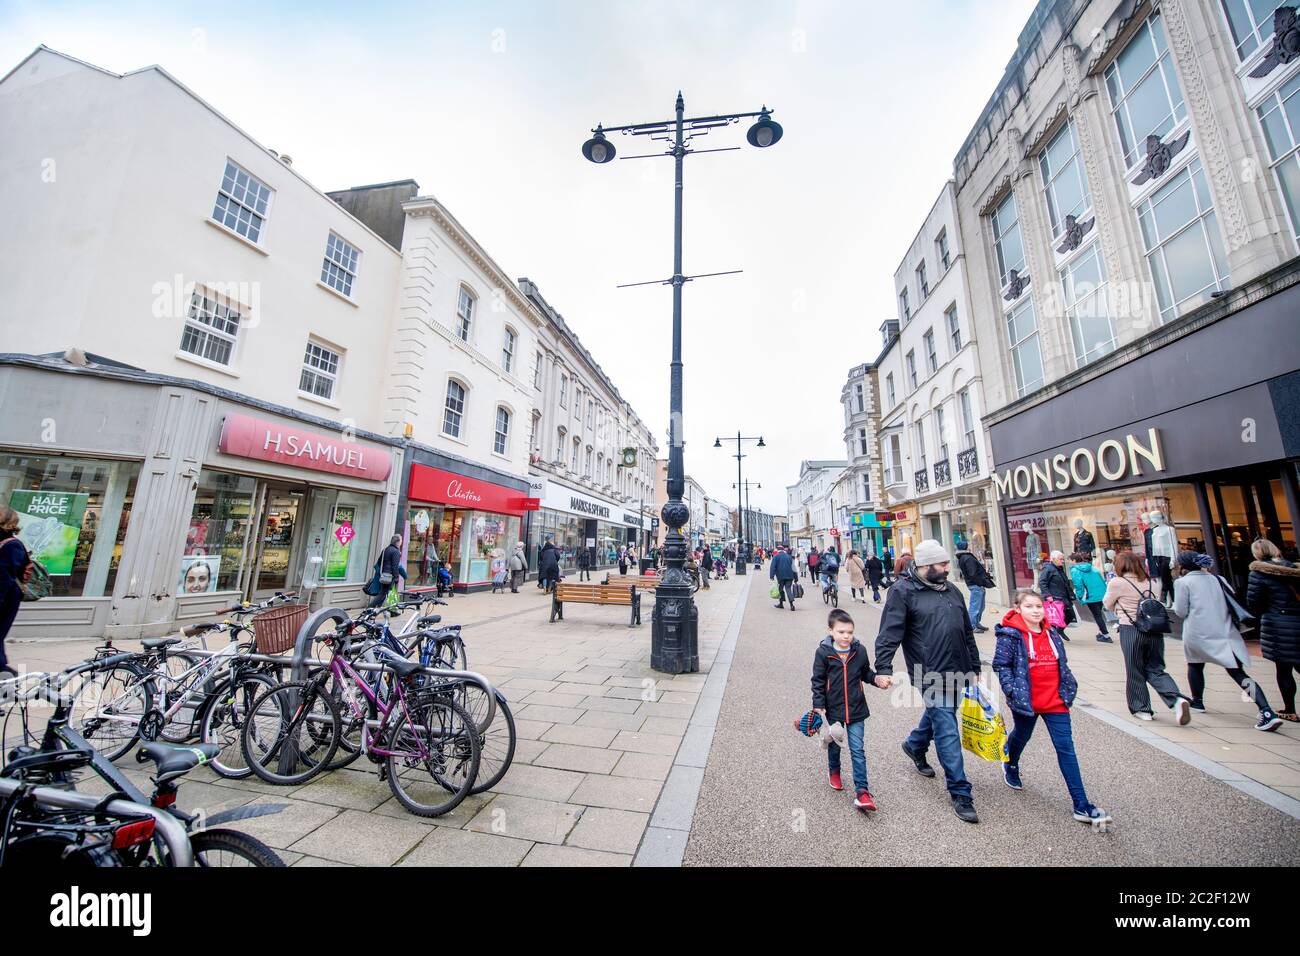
{"type": "Point", "coordinates": [934, 630]}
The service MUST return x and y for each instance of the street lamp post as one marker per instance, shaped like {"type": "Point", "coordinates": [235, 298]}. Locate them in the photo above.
{"type": "Point", "coordinates": [674, 638]}
{"type": "Point", "coordinates": [745, 486]}
{"type": "Point", "coordinates": [740, 504]}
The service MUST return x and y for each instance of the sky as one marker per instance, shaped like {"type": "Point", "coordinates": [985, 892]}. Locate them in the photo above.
{"type": "Point", "coordinates": [486, 105]}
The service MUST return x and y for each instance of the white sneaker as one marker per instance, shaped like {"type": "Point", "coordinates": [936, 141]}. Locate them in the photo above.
{"type": "Point", "coordinates": [1182, 711]}
{"type": "Point", "coordinates": [1143, 715]}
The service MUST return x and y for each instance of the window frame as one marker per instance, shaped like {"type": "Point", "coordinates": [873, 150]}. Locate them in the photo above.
{"type": "Point", "coordinates": [954, 327]}
{"type": "Point", "coordinates": [1275, 102]}
{"type": "Point", "coordinates": [501, 437]}
{"type": "Point", "coordinates": [909, 361]}
{"type": "Point", "coordinates": [262, 215]}
{"type": "Point", "coordinates": [966, 410]}
{"type": "Point", "coordinates": [1023, 388]}
{"type": "Point", "coordinates": [931, 352]}
{"type": "Point", "coordinates": [465, 318]}
{"type": "Point", "coordinates": [941, 250]}
{"type": "Point", "coordinates": [1075, 309]}
{"type": "Point", "coordinates": [346, 254]}
{"type": "Point", "coordinates": [922, 283]}
{"type": "Point", "coordinates": [1055, 214]}
{"type": "Point", "coordinates": [1119, 109]}
{"type": "Point", "coordinates": [317, 372]}
{"type": "Point", "coordinates": [509, 342]}
{"type": "Point", "coordinates": [206, 332]}
{"type": "Point", "coordinates": [447, 410]}
{"type": "Point", "coordinates": [1259, 39]}
{"type": "Point", "coordinates": [1000, 234]}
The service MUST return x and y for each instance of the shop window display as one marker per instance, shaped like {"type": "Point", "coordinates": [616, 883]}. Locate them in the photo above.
{"type": "Point", "coordinates": [73, 515]}
{"type": "Point", "coordinates": [217, 537]}
{"type": "Point", "coordinates": [562, 530]}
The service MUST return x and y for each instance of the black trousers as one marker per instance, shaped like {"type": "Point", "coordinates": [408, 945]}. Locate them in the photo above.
{"type": "Point", "coordinates": [1144, 663]}
{"type": "Point", "coordinates": [1098, 615]}
{"type": "Point", "coordinates": [1196, 682]}
{"type": "Point", "coordinates": [1285, 682]}
{"type": "Point", "coordinates": [787, 591]}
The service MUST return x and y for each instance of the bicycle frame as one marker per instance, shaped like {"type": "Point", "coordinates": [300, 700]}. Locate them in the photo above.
{"type": "Point", "coordinates": [192, 678]}
{"type": "Point", "coordinates": [341, 670]}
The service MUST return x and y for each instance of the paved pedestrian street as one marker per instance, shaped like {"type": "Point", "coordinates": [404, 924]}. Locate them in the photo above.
{"type": "Point", "coordinates": [618, 765]}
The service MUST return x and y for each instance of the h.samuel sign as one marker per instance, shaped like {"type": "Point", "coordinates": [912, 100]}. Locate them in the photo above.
{"type": "Point", "coordinates": [1113, 460]}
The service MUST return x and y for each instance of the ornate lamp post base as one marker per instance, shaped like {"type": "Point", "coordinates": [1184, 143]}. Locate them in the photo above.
{"type": "Point", "coordinates": [675, 623]}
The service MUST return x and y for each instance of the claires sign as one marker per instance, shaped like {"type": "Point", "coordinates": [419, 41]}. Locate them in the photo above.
{"type": "Point", "coordinates": [250, 437]}
{"type": "Point", "coordinates": [434, 486]}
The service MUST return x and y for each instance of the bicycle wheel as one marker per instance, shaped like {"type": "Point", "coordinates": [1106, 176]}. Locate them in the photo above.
{"type": "Point", "coordinates": [182, 726]}
{"type": "Point", "coordinates": [450, 757]}
{"type": "Point", "coordinates": [110, 705]}
{"type": "Point", "coordinates": [291, 732]}
{"type": "Point", "coordinates": [223, 722]}
{"type": "Point", "coordinates": [231, 848]}
{"type": "Point", "coordinates": [835, 597]}
{"type": "Point", "coordinates": [496, 740]}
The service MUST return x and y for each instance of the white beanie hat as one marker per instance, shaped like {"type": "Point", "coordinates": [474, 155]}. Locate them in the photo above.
{"type": "Point", "coordinates": [930, 552]}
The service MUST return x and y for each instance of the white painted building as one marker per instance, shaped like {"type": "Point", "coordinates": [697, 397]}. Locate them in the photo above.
{"type": "Point", "coordinates": [811, 504]}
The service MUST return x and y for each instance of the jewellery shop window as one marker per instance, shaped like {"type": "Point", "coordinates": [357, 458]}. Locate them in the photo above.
{"type": "Point", "coordinates": [73, 515]}
{"type": "Point", "coordinates": [340, 531]}
{"type": "Point", "coordinates": [1154, 521]}
{"type": "Point", "coordinates": [216, 544]}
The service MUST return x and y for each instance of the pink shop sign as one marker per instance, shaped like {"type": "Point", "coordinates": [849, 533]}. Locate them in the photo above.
{"type": "Point", "coordinates": [250, 437]}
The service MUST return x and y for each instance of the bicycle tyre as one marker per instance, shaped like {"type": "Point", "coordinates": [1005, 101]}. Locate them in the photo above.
{"type": "Point", "coordinates": [453, 750]}
{"type": "Point", "coordinates": [272, 740]}
{"type": "Point", "coordinates": [223, 723]}
{"type": "Point", "coordinates": [212, 846]}
{"type": "Point", "coordinates": [136, 681]}
{"type": "Point", "coordinates": [496, 742]}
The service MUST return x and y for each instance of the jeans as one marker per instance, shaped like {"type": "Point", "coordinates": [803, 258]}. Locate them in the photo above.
{"type": "Point", "coordinates": [940, 725]}
{"type": "Point", "coordinates": [1144, 663]}
{"type": "Point", "coordinates": [1058, 726]}
{"type": "Point", "coordinates": [976, 605]}
{"type": "Point", "coordinates": [1196, 683]}
{"type": "Point", "coordinates": [857, 755]}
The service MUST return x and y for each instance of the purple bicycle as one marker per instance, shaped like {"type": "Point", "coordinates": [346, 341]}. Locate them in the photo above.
{"type": "Point", "coordinates": [424, 743]}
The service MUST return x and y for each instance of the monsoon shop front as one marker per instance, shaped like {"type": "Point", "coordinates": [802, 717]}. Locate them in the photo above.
{"type": "Point", "coordinates": [1187, 439]}
{"type": "Point", "coordinates": [154, 500]}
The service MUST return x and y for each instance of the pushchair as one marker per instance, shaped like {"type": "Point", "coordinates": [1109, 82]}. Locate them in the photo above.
{"type": "Point", "coordinates": [720, 569]}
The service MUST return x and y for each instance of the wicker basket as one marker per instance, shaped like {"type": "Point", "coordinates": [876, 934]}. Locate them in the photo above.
{"type": "Point", "coordinates": [275, 630]}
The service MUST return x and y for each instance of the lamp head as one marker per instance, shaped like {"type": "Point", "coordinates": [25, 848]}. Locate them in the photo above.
{"type": "Point", "coordinates": [598, 149]}
{"type": "Point", "coordinates": [717, 443]}
{"type": "Point", "coordinates": [760, 442]}
{"type": "Point", "coordinates": [765, 132]}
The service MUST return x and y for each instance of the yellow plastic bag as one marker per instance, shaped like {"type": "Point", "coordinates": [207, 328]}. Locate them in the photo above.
{"type": "Point", "coordinates": [983, 732]}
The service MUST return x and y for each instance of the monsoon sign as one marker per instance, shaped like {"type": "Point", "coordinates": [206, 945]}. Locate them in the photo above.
{"type": "Point", "coordinates": [49, 524]}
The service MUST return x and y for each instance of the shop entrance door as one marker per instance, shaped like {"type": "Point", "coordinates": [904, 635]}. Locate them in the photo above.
{"type": "Point", "coordinates": [1244, 508]}
{"type": "Point", "coordinates": [277, 540]}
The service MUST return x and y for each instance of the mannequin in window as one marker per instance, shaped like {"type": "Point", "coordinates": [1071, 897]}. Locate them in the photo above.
{"type": "Point", "coordinates": [1033, 549]}
{"type": "Point", "coordinates": [1147, 529]}
{"type": "Point", "coordinates": [1083, 541]}
{"type": "Point", "coordinates": [977, 544]}
{"type": "Point", "coordinates": [1164, 545]}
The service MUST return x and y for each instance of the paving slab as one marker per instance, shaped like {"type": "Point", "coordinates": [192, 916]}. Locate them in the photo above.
{"type": "Point", "coordinates": [457, 848]}
{"type": "Point", "coordinates": [362, 839]}
{"type": "Point", "coordinates": [567, 856]}
{"type": "Point", "coordinates": [523, 818]}
{"type": "Point", "coordinates": [614, 831]}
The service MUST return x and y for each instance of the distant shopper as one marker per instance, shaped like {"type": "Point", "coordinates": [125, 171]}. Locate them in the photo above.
{"type": "Point", "coordinates": [857, 576]}
{"type": "Point", "coordinates": [622, 561]}
{"type": "Point", "coordinates": [1037, 682]}
{"type": "Point", "coordinates": [388, 568]}
{"type": "Point", "coordinates": [1054, 585]}
{"type": "Point", "coordinates": [1144, 649]}
{"type": "Point", "coordinates": [813, 559]}
{"type": "Point", "coordinates": [841, 672]}
{"type": "Point", "coordinates": [518, 567]}
{"type": "Point", "coordinates": [977, 580]}
{"type": "Point", "coordinates": [875, 575]}
{"type": "Point", "coordinates": [1210, 636]}
{"type": "Point", "coordinates": [548, 566]}
{"type": "Point", "coordinates": [1090, 591]}
{"type": "Point", "coordinates": [782, 571]}
{"type": "Point", "coordinates": [926, 616]}
{"type": "Point", "coordinates": [584, 564]}
{"type": "Point", "coordinates": [902, 564]}
{"type": "Point", "coordinates": [1273, 596]}
{"type": "Point", "coordinates": [13, 566]}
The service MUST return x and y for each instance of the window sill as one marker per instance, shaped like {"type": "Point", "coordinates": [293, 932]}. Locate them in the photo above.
{"type": "Point", "coordinates": [226, 230]}
{"type": "Point", "coordinates": [337, 294]}
{"type": "Point", "coordinates": [207, 363]}
{"type": "Point", "coordinates": [497, 454]}
{"type": "Point", "coordinates": [453, 438]}
{"type": "Point", "coordinates": [309, 397]}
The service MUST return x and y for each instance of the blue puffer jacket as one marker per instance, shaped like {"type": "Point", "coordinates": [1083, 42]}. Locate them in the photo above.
{"type": "Point", "coordinates": [1011, 662]}
{"type": "Point", "coordinates": [1089, 585]}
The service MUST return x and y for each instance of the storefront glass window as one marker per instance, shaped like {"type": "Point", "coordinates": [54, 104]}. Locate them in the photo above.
{"type": "Point", "coordinates": [339, 537]}
{"type": "Point", "coordinates": [563, 530]}
{"type": "Point", "coordinates": [73, 515]}
{"type": "Point", "coordinates": [426, 549]}
{"type": "Point", "coordinates": [217, 538]}
{"type": "Point", "coordinates": [484, 538]}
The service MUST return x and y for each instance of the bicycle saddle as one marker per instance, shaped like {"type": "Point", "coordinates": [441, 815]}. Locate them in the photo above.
{"type": "Point", "coordinates": [172, 761]}
{"type": "Point", "coordinates": [153, 643]}
{"type": "Point", "coordinates": [24, 761]}
{"type": "Point", "coordinates": [428, 619]}
{"type": "Point", "coordinates": [402, 668]}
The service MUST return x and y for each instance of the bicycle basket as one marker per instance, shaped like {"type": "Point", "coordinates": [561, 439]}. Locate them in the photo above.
{"type": "Point", "coordinates": [275, 630]}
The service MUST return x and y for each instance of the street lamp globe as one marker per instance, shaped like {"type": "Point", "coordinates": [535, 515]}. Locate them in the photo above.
{"type": "Point", "coordinates": [765, 132]}
{"type": "Point", "coordinates": [598, 149]}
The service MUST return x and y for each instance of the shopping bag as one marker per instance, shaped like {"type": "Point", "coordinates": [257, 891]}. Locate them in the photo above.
{"type": "Point", "coordinates": [983, 732]}
{"type": "Point", "coordinates": [1055, 612]}
{"type": "Point", "coordinates": [392, 597]}
{"type": "Point", "coordinates": [776, 592]}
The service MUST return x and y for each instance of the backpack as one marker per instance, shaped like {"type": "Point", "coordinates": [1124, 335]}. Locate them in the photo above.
{"type": "Point", "coordinates": [35, 582]}
{"type": "Point", "coordinates": [1152, 616]}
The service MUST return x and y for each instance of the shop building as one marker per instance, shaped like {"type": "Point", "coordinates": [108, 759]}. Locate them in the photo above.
{"type": "Point", "coordinates": [154, 500]}
{"type": "Point", "coordinates": [575, 520]}
{"type": "Point", "coordinates": [860, 398]}
{"type": "Point", "coordinates": [1196, 422]}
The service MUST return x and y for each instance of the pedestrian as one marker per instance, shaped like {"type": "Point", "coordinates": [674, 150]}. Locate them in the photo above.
{"type": "Point", "coordinates": [706, 564]}
{"type": "Point", "coordinates": [977, 580]}
{"type": "Point", "coordinates": [1054, 585]}
{"type": "Point", "coordinates": [828, 569]}
{"type": "Point", "coordinates": [584, 564]}
{"type": "Point", "coordinates": [813, 558]}
{"type": "Point", "coordinates": [1273, 596]}
{"type": "Point", "coordinates": [622, 561]}
{"type": "Point", "coordinates": [13, 568]}
{"type": "Point", "coordinates": [632, 562]}
{"type": "Point", "coordinates": [902, 565]}
{"type": "Point", "coordinates": [388, 568]}
{"type": "Point", "coordinates": [857, 576]}
{"type": "Point", "coordinates": [1209, 634]}
{"type": "Point", "coordinates": [876, 575]}
{"type": "Point", "coordinates": [841, 672]}
{"type": "Point", "coordinates": [1090, 590]}
{"type": "Point", "coordinates": [782, 571]}
{"type": "Point", "coordinates": [518, 566]}
{"type": "Point", "coordinates": [1144, 649]}
{"type": "Point", "coordinates": [1037, 682]}
{"type": "Point", "coordinates": [548, 566]}
{"type": "Point", "coordinates": [927, 617]}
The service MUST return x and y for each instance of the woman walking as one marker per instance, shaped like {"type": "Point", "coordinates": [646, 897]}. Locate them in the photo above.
{"type": "Point", "coordinates": [1037, 681]}
{"type": "Point", "coordinates": [876, 575]}
{"type": "Point", "coordinates": [1054, 585]}
{"type": "Point", "coordinates": [1273, 596]}
{"type": "Point", "coordinates": [1090, 589]}
{"type": "Point", "coordinates": [1210, 636]}
{"type": "Point", "coordinates": [813, 559]}
{"type": "Point", "coordinates": [548, 566]}
{"type": "Point", "coordinates": [13, 565]}
{"type": "Point", "coordinates": [1144, 652]}
{"type": "Point", "coordinates": [857, 576]}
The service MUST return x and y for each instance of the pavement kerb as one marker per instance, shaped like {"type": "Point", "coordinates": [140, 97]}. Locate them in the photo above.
{"type": "Point", "coordinates": [664, 840]}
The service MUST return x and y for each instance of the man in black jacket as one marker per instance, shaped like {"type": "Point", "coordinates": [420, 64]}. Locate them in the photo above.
{"type": "Point", "coordinates": [387, 570]}
{"type": "Point", "coordinates": [926, 615]}
{"type": "Point", "coordinates": [782, 571]}
{"type": "Point", "coordinates": [977, 578]}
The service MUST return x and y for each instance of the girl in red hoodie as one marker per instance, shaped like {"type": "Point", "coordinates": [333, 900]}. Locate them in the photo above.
{"type": "Point", "coordinates": [1030, 663]}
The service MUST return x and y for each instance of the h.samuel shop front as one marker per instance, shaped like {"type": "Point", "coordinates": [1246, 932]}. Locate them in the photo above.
{"type": "Point", "coordinates": [1193, 427]}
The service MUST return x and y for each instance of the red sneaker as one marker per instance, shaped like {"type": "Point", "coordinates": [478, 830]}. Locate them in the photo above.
{"type": "Point", "coordinates": [864, 802]}
{"type": "Point", "coordinates": [836, 784]}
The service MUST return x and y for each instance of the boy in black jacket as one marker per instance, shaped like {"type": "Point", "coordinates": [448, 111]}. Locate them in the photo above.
{"type": "Point", "coordinates": [841, 669]}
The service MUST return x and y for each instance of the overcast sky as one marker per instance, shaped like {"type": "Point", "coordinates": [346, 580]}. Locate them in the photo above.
{"type": "Point", "coordinates": [487, 104]}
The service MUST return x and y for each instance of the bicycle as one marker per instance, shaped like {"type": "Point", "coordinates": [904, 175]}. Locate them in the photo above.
{"type": "Point", "coordinates": [830, 590]}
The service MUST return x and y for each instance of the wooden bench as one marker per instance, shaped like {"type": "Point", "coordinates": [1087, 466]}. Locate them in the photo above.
{"type": "Point", "coordinates": [606, 594]}
{"type": "Point", "coordinates": [642, 582]}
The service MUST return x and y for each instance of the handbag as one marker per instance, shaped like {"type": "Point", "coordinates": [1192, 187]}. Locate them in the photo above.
{"type": "Point", "coordinates": [34, 582]}
{"type": "Point", "coordinates": [1243, 619]}
{"type": "Point", "coordinates": [1055, 612]}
